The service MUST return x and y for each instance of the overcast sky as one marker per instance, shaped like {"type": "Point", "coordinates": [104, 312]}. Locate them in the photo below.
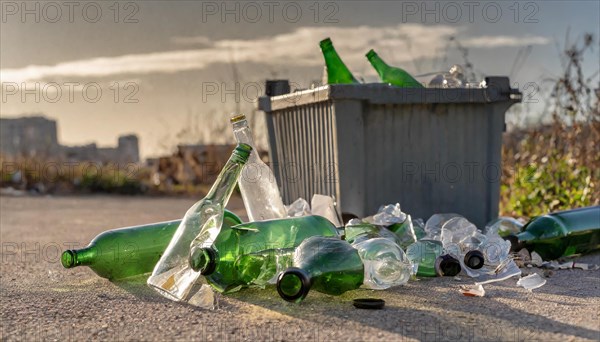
{"type": "Point", "coordinates": [164, 66]}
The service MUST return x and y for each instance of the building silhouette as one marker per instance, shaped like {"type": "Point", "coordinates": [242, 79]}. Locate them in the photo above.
{"type": "Point", "coordinates": [36, 137]}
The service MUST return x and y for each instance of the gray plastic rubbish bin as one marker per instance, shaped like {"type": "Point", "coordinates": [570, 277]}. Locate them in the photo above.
{"type": "Point", "coordinates": [431, 150]}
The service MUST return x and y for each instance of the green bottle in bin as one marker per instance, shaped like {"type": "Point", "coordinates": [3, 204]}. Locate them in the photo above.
{"type": "Point", "coordinates": [253, 252]}
{"type": "Point", "coordinates": [337, 71]}
{"type": "Point", "coordinates": [561, 233]}
{"type": "Point", "coordinates": [126, 252]}
{"type": "Point", "coordinates": [392, 75]}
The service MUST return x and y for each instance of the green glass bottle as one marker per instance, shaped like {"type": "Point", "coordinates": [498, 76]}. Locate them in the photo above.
{"type": "Point", "coordinates": [334, 266]}
{"type": "Point", "coordinates": [328, 265]}
{"type": "Point", "coordinates": [253, 252]}
{"type": "Point", "coordinates": [561, 233]}
{"type": "Point", "coordinates": [357, 232]}
{"type": "Point", "coordinates": [337, 71]}
{"type": "Point", "coordinates": [126, 252]}
{"type": "Point", "coordinates": [392, 75]}
{"type": "Point", "coordinates": [423, 255]}
{"type": "Point", "coordinates": [172, 277]}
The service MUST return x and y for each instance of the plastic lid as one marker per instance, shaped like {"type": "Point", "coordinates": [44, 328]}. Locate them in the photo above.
{"type": "Point", "coordinates": [369, 303]}
{"type": "Point", "coordinates": [474, 259]}
{"type": "Point", "coordinates": [237, 118]}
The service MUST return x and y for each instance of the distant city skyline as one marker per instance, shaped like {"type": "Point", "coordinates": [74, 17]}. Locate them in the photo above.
{"type": "Point", "coordinates": [167, 71]}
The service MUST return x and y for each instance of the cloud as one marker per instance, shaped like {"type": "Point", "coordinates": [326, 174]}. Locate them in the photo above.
{"type": "Point", "coordinates": [500, 41]}
{"type": "Point", "coordinates": [196, 40]}
{"type": "Point", "coordinates": [400, 44]}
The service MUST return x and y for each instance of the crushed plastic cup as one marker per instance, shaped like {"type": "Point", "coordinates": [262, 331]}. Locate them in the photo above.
{"type": "Point", "coordinates": [433, 226]}
{"type": "Point", "coordinates": [531, 282]}
{"type": "Point", "coordinates": [299, 207]}
{"type": "Point", "coordinates": [325, 206]}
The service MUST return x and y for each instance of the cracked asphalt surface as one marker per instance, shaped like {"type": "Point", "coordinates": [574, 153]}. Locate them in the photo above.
{"type": "Point", "coordinates": [42, 301]}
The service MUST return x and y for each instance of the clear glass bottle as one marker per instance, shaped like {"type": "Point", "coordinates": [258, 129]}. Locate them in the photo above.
{"type": "Point", "coordinates": [172, 277]}
{"type": "Point", "coordinates": [257, 183]}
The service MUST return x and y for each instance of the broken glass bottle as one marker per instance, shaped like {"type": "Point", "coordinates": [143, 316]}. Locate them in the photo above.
{"type": "Point", "coordinates": [254, 252]}
{"type": "Point", "coordinates": [172, 277]}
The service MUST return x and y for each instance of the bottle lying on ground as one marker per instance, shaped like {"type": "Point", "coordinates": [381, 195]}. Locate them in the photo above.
{"type": "Point", "coordinates": [392, 75]}
{"type": "Point", "coordinates": [257, 183]}
{"type": "Point", "coordinates": [423, 254]}
{"type": "Point", "coordinates": [334, 266]}
{"type": "Point", "coordinates": [337, 71]}
{"type": "Point", "coordinates": [561, 233]}
{"type": "Point", "coordinates": [126, 252]}
{"type": "Point", "coordinates": [172, 277]}
{"type": "Point", "coordinates": [253, 253]}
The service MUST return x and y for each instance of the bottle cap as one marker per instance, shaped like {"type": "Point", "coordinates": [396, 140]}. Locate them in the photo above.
{"type": "Point", "coordinates": [297, 291]}
{"type": "Point", "coordinates": [369, 303]}
{"type": "Point", "coordinates": [237, 118]}
{"type": "Point", "coordinates": [474, 259]}
{"type": "Point", "coordinates": [447, 265]}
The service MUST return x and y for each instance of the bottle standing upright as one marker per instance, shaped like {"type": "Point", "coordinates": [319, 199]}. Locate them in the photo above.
{"type": "Point", "coordinates": [392, 75]}
{"type": "Point", "coordinates": [172, 277]}
{"type": "Point", "coordinates": [257, 183]}
{"type": "Point", "coordinates": [337, 71]}
{"type": "Point", "coordinates": [126, 252]}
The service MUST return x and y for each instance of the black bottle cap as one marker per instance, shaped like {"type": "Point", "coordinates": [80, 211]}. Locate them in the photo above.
{"type": "Point", "coordinates": [447, 265]}
{"type": "Point", "coordinates": [304, 284]}
{"type": "Point", "coordinates": [203, 260]}
{"type": "Point", "coordinates": [474, 259]}
{"type": "Point", "coordinates": [369, 303]}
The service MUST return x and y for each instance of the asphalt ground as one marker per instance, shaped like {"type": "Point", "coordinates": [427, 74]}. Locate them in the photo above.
{"type": "Point", "coordinates": [40, 300]}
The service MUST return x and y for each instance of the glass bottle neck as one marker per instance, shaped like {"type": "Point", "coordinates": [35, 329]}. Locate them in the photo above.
{"type": "Point", "coordinates": [78, 257]}
{"type": "Point", "coordinates": [378, 63]}
{"type": "Point", "coordinates": [332, 59]}
{"type": "Point", "coordinates": [242, 133]}
{"type": "Point", "coordinates": [203, 260]}
{"type": "Point", "coordinates": [294, 284]}
{"type": "Point", "coordinates": [227, 179]}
